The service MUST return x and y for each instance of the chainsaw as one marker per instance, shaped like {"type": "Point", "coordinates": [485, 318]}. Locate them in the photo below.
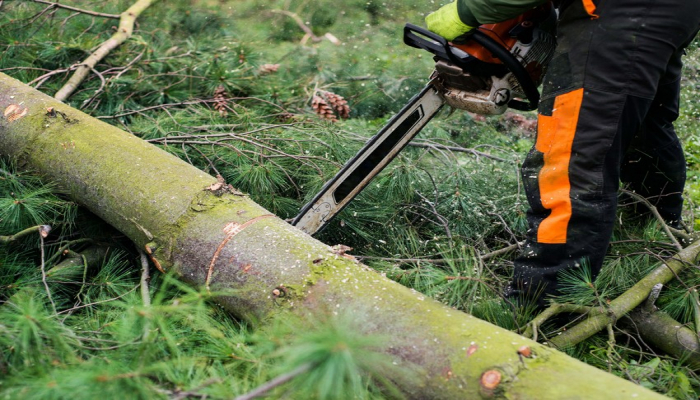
{"type": "Point", "coordinates": [490, 69]}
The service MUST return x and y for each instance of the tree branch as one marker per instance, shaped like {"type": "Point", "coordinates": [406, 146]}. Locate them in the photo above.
{"type": "Point", "coordinates": [126, 27]}
{"type": "Point", "coordinates": [667, 334]}
{"type": "Point", "coordinates": [42, 229]}
{"type": "Point", "coordinates": [630, 299]}
{"type": "Point", "coordinates": [93, 13]}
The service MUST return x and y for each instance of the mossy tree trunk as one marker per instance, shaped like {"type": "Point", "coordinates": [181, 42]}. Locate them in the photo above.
{"type": "Point", "coordinates": [214, 237]}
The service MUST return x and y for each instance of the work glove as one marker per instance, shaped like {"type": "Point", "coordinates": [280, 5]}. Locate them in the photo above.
{"type": "Point", "coordinates": [446, 23]}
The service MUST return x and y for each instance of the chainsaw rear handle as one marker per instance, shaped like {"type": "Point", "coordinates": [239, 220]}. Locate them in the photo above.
{"type": "Point", "coordinates": [421, 38]}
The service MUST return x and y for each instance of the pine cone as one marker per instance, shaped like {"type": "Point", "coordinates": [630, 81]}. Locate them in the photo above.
{"type": "Point", "coordinates": [221, 100]}
{"type": "Point", "coordinates": [268, 68]}
{"type": "Point", "coordinates": [323, 109]}
{"type": "Point", "coordinates": [339, 104]}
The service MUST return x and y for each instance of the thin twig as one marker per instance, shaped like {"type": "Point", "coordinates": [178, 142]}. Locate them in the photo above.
{"type": "Point", "coordinates": [96, 302]}
{"type": "Point", "coordinates": [656, 214]}
{"type": "Point", "coordinates": [145, 295]}
{"type": "Point", "coordinates": [434, 211]}
{"type": "Point", "coordinates": [43, 273]}
{"type": "Point", "coordinates": [504, 250]}
{"type": "Point", "coordinates": [41, 79]}
{"type": "Point", "coordinates": [696, 309]}
{"type": "Point", "coordinates": [456, 149]}
{"type": "Point", "coordinates": [93, 13]}
{"type": "Point", "coordinates": [300, 23]}
{"type": "Point", "coordinates": [611, 346]}
{"type": "Point", "coordinates": [410, 260]}
{"type": "Point", "coordinates": [195, 392]}
{"type": "Point", "coordinates": [183, 103]}
{"type": "Point", "coordinates": [280, 380]}
{"type": "Point", "coordinates": [145, 278]}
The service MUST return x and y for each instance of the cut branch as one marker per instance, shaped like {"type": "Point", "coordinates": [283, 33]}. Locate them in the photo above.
{"type": "Point", "coordinates": [629, 300]}
{"type": "Point", "coordinates": [667, 334]}
{"type": "Point", "coordinates": [43, 231]}
{"type": "Point", "coordinates": [124, 31]}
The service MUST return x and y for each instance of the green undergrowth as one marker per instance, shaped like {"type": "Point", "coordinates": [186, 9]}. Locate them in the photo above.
{"type": "Point", "coordinates": [228, 87]}
{"type": "Point", "coordinates": [84, 331]}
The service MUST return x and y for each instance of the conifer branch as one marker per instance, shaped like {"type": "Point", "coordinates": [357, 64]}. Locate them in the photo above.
{"type": "Point", "coordinates": [551, 311]}
{"type": "Point", "coordinates": [666, 334]}
{"type": "Point", "coordinates": [124, 31]}
{"type": "Point", "coordinates": [630, 299]}
{"type": "Point", "coordinates": [79, 10]}
{"type": "Point", "coordinates": [42, 229]}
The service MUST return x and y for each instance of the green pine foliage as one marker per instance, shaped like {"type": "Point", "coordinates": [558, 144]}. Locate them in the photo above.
{"type": "Point", "coordinates": [227, 86]}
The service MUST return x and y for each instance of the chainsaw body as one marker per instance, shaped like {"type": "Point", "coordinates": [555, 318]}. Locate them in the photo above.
{"type": "Point", "coordinates": [495, 66]}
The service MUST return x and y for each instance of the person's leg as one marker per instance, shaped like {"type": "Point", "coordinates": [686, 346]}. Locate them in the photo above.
{"type": "Point", "coordinates": [598, 91]}
{"type": "Point", "coordinates": [654, 166]}
{"type": "Point", "coordinates": [571, 178]}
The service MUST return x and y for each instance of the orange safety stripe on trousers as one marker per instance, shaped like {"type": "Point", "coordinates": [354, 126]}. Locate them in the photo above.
{"type": "Point", "coordinates": [590, 8]}
{"type": "Point", "coordinates": [555, 137]}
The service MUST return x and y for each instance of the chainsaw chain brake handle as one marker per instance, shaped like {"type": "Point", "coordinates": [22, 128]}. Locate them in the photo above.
{"type": "Point", "coordinates": [421, 38]}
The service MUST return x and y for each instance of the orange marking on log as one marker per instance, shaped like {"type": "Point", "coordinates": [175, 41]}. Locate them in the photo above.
{"type": "Point", "coordinates": [231, 229]}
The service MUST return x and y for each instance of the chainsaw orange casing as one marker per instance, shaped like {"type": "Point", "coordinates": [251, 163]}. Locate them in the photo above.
{"type": "Point", "coordinates": [501, 33]}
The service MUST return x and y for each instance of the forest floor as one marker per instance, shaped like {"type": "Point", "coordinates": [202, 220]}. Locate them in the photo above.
{"type": "Point", "coordinates": [275, 97]}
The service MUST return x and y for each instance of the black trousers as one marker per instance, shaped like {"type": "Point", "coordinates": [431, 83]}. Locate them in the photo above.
{"type": "Point", "coordinates": [610, 98]}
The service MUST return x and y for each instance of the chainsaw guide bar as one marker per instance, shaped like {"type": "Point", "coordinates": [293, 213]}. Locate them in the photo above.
{"type": "Point", "coordinates": [369, 161]}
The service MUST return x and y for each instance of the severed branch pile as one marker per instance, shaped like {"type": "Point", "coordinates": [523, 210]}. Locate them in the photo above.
{"type": "Point", "coordinates": [655, 327]}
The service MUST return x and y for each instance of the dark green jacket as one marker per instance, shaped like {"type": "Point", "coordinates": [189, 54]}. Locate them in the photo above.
{"type": "Point", "coordinates": [478, 12]}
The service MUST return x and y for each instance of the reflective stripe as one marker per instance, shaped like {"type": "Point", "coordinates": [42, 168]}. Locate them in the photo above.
{"type": "Point", "coordinates": [590, 8]}
{"type": "Point", "coordinates": [555, 137]}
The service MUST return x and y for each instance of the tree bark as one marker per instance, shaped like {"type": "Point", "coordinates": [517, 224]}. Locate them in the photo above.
{"type": "Point", "coordinates": [666, 334]}
{"type": "Point", "coordinates": [216, 238]}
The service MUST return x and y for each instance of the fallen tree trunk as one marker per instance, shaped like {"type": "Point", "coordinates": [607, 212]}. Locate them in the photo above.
{"type": "Point", "coordinates": [215, 237]}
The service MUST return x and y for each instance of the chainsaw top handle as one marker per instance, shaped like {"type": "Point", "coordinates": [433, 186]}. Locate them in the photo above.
{"type": "Point", "coordinates": [421, 38]}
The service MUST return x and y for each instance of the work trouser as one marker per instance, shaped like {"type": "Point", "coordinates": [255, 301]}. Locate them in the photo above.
{"type": "Point", "coordinates": [610, 98]}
